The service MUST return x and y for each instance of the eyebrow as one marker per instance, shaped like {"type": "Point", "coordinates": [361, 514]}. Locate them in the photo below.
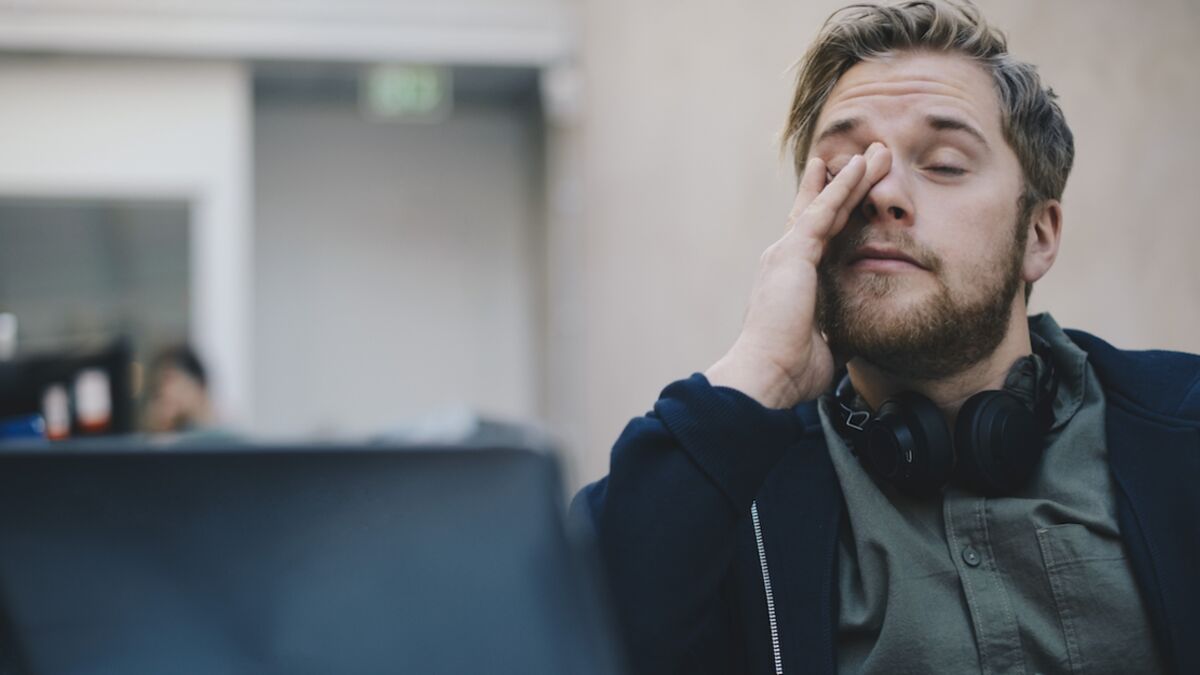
{"type": "Point", "coordinates": [940, 123]}
{"type": "Point", "coordinates": [843, 127]}
{"type": "Point", "coordinates": [847, 126]}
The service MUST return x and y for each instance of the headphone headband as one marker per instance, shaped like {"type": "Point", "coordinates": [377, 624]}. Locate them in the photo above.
{"type": "Point", "coordinates": [996, 441]}
{"type": "Point", "coordinates": [1032, 379]}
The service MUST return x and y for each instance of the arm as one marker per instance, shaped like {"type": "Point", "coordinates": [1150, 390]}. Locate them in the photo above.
{"type": "Point", "coordinates": [681, 478]}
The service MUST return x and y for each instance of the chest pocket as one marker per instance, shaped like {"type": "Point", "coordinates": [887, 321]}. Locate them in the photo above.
{"type": "Point", "coordinates": [1104, 622]}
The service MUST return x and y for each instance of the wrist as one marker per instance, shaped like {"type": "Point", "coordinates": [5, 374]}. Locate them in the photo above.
{"type": "Point", "coordinates": [761, 380]}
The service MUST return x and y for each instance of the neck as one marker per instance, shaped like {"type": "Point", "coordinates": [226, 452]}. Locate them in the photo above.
{"type": "Point", "coordinates": [877, 385]}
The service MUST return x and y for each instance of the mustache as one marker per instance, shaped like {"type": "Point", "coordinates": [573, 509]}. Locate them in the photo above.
{"type": "Point", "coordinates": [847, 242]}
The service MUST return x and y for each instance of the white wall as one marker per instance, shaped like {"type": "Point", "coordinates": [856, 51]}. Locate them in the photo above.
{"type": "Point", "coordinates": [396, 267]}
{"type": "Point", "coordinates": [152, 129]}
{"type": "Point", "coordinates": [513, 32]}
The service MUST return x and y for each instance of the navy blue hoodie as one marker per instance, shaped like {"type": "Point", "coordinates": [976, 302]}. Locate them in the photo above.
{"type": "Point", "coordinates": [711, 488]}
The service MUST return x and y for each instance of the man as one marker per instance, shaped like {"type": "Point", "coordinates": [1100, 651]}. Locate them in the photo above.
{"type": "Point", "coordinates": [975, 491]}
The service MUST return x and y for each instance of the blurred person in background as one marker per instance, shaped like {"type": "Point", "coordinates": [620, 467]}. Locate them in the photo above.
{"type": "Point", "coordinates": [177, 398]}
{"type": "Point", "coordinates": [894, 469]}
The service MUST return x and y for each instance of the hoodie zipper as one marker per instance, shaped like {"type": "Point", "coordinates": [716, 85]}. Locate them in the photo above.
{"type": "Point", "coordinates": [766, 575]}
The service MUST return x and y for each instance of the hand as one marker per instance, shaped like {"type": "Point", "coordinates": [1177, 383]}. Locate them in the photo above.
{"type": "Point", "coordinates": [780, 358]}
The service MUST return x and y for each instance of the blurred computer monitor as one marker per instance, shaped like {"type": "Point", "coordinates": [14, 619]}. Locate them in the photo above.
{"type": "Point", "coordinates": [292, 560]}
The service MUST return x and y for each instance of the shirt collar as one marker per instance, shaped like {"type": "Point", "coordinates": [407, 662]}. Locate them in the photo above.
{"type": "Point", "coordinates": [1070, 362]}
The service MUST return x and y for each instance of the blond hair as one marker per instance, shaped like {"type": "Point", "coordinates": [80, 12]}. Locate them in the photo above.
{"type": "Point", "coordinates": [1031, 120]}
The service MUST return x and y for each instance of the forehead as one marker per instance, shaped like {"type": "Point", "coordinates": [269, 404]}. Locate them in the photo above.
{"type": "Point", "coordinates": [904, 86]}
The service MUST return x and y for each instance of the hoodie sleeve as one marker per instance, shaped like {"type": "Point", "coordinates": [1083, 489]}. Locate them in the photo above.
{"type": "Point", "coordinates": [680, 480]}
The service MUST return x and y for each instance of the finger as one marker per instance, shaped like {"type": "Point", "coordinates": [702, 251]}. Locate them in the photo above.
{"type": "Point", "coordinates": [811, 183]}
{"type": "Point", "coordinates": [879, 162]}
{"type": "Point", "coordinates": [818, 217]}
{"type": "Point", "coordinates": [814, 178]}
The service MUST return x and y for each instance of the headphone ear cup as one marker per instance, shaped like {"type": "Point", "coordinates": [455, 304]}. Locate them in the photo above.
{"type": "Point", "coordinates": [907, 444]}
{"type": "Point", "coordinates": [998, 443]}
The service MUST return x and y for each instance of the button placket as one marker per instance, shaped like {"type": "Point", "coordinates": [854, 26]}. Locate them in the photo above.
{"type": "Point", "coordinates": [993, 621]}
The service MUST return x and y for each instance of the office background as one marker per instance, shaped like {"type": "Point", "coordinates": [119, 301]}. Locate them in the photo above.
{"type": "Point", "coordinates": [574, 223]}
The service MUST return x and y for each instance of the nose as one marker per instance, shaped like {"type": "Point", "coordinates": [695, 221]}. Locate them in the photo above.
{"type": "Point", "coordinates": [889, 202]}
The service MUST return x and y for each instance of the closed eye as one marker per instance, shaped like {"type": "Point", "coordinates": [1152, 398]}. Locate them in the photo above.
{"type": "Point", "coordinates": [834, 166]}
{"type": "Point", "coordinates": [948, 170]}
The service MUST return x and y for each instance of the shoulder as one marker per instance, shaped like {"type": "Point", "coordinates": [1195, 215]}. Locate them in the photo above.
{"type": "Point", "coordinates": [1158, 381]}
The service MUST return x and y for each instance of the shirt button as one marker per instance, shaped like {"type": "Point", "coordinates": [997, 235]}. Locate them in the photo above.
{"type": "Point", "coordinates": [971, 556]}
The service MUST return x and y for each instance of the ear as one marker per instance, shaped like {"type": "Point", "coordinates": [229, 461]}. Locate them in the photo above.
{"type": "Point", "coordinates": [1041, 247]}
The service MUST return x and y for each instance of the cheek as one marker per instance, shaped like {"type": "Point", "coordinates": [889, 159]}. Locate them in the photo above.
{"type": "Point", "coordinates": [968, 233]}
{"type": "Point", "coordinates": [977, 204]}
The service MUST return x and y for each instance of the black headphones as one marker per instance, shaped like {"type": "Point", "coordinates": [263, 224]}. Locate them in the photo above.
{"type": "Point", "coordinates": [997, 440]}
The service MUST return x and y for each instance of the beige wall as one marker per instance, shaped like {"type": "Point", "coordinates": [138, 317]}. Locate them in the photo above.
{"type": "Point", "coordinates": [683, 187]}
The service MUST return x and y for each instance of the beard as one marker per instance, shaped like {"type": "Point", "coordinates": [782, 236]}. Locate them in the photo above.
{"type": "Point", "coordinates": [939, 335]}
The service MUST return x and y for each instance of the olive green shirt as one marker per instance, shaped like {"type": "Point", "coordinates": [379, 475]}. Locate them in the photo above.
{"type": "Point", "coordinates": [1035, 582]}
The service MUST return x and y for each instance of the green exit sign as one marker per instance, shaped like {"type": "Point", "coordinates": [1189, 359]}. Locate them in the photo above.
{"type": "Point", "coordinates": [406, 93]}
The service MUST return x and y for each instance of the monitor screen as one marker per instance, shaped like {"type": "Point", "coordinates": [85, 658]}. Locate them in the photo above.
{"type": "Point", "coordinates": [292, 560]}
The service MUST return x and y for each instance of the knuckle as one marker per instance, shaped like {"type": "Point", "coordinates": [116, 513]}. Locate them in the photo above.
{"type": "Point", "coordinates": [819, 209]}
{"type": "Point", "coordinates": [769, 255]}
{"type": "Point", "coordinates": [796, 213]}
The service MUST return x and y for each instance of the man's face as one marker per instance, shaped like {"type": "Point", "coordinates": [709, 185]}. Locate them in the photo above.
{"type": "Point", "coordinates": [949, 204]}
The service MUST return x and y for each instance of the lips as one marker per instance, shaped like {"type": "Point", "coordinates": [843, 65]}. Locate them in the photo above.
{"type": "Point", "coordinates": [874, 252]}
